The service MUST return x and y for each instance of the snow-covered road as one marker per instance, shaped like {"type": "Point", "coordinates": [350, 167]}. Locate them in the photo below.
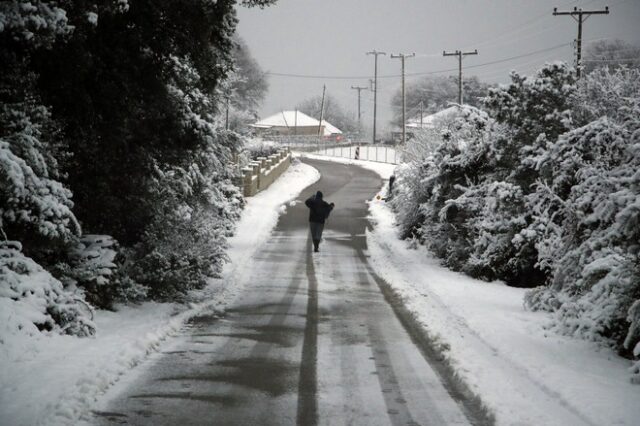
{"type": "Point", "coordinates": [310, 340]}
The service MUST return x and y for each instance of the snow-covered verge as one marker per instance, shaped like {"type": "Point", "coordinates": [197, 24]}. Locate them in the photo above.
{"type": "Point", "coordinates": [523, 373]}
{"type": "Point", "coordinates": [52, 379]}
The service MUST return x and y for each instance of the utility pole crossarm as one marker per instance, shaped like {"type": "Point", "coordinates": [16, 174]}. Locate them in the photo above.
{"type": "Point", "coordinates": [577, 12]}
{"type": "Point", "coordinates": [580, 16]}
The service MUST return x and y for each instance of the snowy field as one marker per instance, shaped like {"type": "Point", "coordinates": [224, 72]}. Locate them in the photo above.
{"type": "Point", "coordinates": [54, 380]}
{"type": "Point", "coordinates": [523, 373]}
{"type": "Point", "coordinates": [381, 154]}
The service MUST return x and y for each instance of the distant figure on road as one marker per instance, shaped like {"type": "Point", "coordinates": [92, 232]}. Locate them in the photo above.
{"type": "Point", "coordinates": [318, 212]}
{"type": "Point", "coordinates": [357, 152]}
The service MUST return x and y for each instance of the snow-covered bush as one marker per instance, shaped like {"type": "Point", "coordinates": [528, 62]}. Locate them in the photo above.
{"type": "Point", "coordinates": [186, 243]}
{"type": "Point", "coordinates": [425, 186]}
{"type": "Point", "coordinates": [605, 92]}
{"type": "Point", "coordinates": [31, 200]}
{"type": "Point", "coordinates": [255, 147]}
{"type": "Point", "coordinates": [195, 208]}
{"type": "Point", "coordinates": [35, 22]}
{"type": "Point", "coordinates": [95, 266]}
{"type": "Point", "coordinates": [32, 300]}
{"type": "Point", "coordinates": [491, 213]}
{"type": "Point", "coordinates": [544, 192]}
{"type": "Point", "coordinates": [587, 209]}
{"type": "Point", "coordinates": [194, 204]}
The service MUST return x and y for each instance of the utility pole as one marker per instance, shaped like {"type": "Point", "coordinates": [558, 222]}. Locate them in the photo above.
{"type": "Point", "coordinates": [359, 89]}
{"type": "Point", "coordinates": [402, 57]}
{"type": "Point", "coordinates": [460, 54]}
{"type": "Point", "coordinates": [421, 113]}
{"type": "Point", "coordinates": [321, 110]}
{"type": "Point", "coordinates": [375, 53]}
{"type": "Point", "coordinates": [580, 16]}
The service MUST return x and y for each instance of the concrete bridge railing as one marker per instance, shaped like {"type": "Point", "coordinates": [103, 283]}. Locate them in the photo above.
{"type": "Point", "coordinates": [262, 172]}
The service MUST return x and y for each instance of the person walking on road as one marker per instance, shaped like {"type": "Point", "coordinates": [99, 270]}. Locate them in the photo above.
{"type": "Point", "coordinates": [318, 212]}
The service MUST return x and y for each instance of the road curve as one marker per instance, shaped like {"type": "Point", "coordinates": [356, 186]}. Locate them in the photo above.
{"type": "Point", "coordinates": [311, 341]}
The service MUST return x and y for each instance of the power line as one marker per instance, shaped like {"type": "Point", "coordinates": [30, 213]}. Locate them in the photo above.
{"type": "Point", "coordinates": [499, 61]}
{"type": "Point", "coordinates": [359, 77]}
{"type": "Point", "coordinates": [613, 60]}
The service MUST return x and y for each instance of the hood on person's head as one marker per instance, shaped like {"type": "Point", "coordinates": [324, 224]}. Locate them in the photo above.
{"type": "Point", "coordinates": [319, 195]}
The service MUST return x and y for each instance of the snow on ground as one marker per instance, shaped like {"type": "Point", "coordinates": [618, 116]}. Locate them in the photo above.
{"type": "Point", "coordinates": [523, 373]}
{"type": "Point", "coordinates": [54, 380]}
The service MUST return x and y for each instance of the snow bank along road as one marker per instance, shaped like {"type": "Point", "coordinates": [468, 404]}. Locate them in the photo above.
{"type": "Point", "coordinates": [311, 340]}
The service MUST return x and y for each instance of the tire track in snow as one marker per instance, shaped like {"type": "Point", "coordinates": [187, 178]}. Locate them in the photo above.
{"type": "Point", "coordinates": [308, 384]}
{"type": "Point", "coordinates": [572, 415]}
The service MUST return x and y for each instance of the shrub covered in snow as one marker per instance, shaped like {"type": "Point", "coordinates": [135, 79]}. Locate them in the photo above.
{"type": "Point", "coordinates": [95, 267]}
{"type": "Point", "coordinates": [31, 200]}
{"type": "Point", "coordinates": [193, 204]}
{"type": "Point", "coordinates": [256, 147]}
{"type": "Point", "coordinates": [31, 300]}
{"type": "Point", "coordinates": [185, 244]}
{"type": "Point", "coordinates": [545, 190]}
{"type": "Point", "coordinates": [587, 210]}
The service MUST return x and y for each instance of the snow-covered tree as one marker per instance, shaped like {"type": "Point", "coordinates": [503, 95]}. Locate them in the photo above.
{"type": "Point", "coordinates": [32, 202]}
{"type": "Point", "coordinates": [132, 95]}
{"type": "Point", "coordinates": [195, 211]}
{"type": "Point", "coordinates": [34, 205]}
{"type": "Point", "coordinates": [587, 217]}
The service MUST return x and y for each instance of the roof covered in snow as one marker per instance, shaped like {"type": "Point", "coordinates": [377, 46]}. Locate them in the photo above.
{"type": "Point", "coordinates": [293, 119]}
{"type": "Point", "coordinates": [428, 121]}
{"type": "Point", "coordinates": [328, 127]}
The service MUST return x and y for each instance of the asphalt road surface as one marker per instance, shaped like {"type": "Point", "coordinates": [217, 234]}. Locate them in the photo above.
{"type": "Point", "coordinates": [312, 340]}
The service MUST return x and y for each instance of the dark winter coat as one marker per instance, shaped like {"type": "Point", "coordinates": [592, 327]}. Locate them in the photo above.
{"type": "Point", "coordinates": [318, 208]}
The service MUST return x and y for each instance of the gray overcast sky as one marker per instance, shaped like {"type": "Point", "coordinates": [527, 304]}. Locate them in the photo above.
{"type": "Point", "coordinates": [330, 38]}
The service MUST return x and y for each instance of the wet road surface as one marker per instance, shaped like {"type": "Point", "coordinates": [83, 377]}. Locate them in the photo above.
{"type": "Point", "coordinates": [311, 341]}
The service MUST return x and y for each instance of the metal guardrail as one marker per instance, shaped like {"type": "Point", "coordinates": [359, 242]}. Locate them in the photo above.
{"type": "Point", "coordinates": [348, 148]}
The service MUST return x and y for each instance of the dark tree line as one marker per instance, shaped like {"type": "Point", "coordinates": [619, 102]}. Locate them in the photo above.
{"type": "Point", "coordinates": [109, 125]}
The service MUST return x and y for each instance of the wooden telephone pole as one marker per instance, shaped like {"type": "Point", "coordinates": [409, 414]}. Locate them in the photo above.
{"type": "Point", "coordinates": [359, 89]}
{"type": "Point", "coordinates": [375, 53]}
{"type": "Point", "coordinates": [324, 88]}
{"type": "Point", "coordinates": [402, 57]}
{"type": "Point", "coordinates": [460, 54]}
{"type": "Point", "coordinates": [580, 16]}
